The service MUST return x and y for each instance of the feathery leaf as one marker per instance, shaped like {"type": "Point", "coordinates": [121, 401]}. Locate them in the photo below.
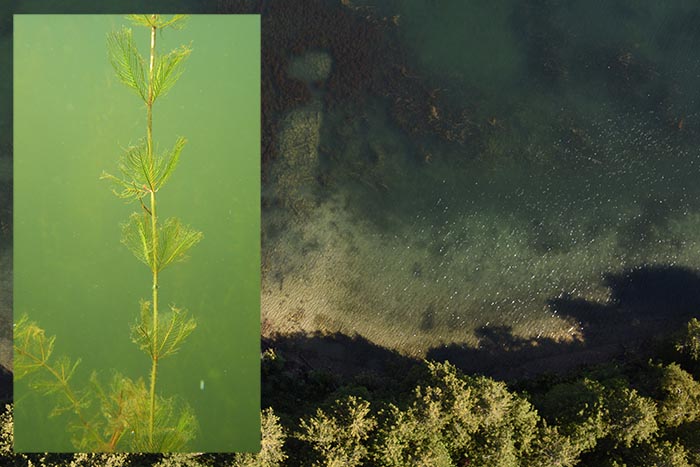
{"type": "Point", "coordinates": [137, 172]}
{"type": "Point", "coordinates": [137, 237]}
{"type": "Point", "coordinates": [176, 326]}
{"type": "Point", "coordinates": [32, 348]}
{"type": "Point", "coordinates": [33, 351]}
{"type": "Point", "coordinates": [128, 189]}
{"type": "Point", "coordinates": [141, 20]}
{"type": "Point", "coordinates": [136, 163]}
{"type": "Point", "coordinates": [142, 330]}
{"type": "Point", "coordinates": [127, 61]}
{"type": "Point", "coordinates": [167, 165]}
{"type": "Point", "coordinates": [173, 328]}
{"type": "Point", "coordinates": [174, 241]}
{"type": "Point", "coordinates": [168, 69]}
{"type": "Point", "coordinates": [175, 22]}
{"type": "Point", "coordinates": [139, 176]}
{"type": "Point", "coordinates": [174, 422]}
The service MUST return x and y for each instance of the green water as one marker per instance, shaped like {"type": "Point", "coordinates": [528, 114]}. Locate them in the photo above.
{"type": "Point", "coordinates": [581, 160]}
{"type": "Point", "coordinates": [72, 275]}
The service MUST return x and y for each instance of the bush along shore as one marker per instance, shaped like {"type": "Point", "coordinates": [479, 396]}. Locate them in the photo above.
{"type": "Point", "coordinates": [640, 411]}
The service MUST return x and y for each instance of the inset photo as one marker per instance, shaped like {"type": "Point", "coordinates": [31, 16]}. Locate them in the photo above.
{"type": "Point", "coordinates": [136, 233]}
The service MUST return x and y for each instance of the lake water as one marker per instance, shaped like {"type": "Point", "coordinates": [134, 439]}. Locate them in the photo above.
{"type": "Point", "coordinates": [578, 158]}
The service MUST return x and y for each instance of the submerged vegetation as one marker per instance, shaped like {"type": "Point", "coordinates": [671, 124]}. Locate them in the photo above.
{"type": "Point", "coordinates": [129, 414]}
{"type": "Point", "coordinates": [643, 411]}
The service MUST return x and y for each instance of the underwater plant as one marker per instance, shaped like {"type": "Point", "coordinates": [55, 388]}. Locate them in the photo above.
{"type": "Point", "coordinates": [130, 414]}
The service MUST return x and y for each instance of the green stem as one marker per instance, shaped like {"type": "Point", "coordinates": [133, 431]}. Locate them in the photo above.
{"type": "Point", "coordinates": [151, 158]}
{"type": "Point", "coordinates": [154, 352]}
{"type": "Point", "coordinates": [149, 104]}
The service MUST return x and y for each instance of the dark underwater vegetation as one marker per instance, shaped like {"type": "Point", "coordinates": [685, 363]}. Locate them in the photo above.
{"type": "Point", "coordinates": [506, 190]}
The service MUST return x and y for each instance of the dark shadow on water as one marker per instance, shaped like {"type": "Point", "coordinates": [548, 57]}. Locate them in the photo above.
{"type": "Point", "coordinates": [5, 385]}
{"type": "Point", "coordinates": [312, 367]}
{"type": "Point", "coordinates": [661, 291]}
{"type": "Point", "coordinates": [342, 354]}
{"type": "Point", "coordinates": [646, 304]}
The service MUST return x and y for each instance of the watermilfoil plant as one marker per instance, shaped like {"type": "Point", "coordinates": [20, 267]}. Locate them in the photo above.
{"type": "Point", "coordinates": [130, 414]}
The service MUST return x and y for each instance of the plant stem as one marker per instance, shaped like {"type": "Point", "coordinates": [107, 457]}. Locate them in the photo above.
{"type": "Point", "coordinates": [151, 158]}
{"type": "Point", "coordinates": [154, 367]}
{"type": "Point", "coordinates": [149, 104]}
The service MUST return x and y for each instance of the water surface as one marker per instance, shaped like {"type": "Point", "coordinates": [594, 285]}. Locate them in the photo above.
{"type": "Point", "coordinates": [573, 157]}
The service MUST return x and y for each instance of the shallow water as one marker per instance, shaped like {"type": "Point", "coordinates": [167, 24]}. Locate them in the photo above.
{"type": "Point", "coordinates": [583, 162]}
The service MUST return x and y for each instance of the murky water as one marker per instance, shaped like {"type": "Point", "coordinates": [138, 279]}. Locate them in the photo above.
{"type": "Point", "coordinates": [72, 118]}
{"type": "Point", "coordinates": [581, 160]}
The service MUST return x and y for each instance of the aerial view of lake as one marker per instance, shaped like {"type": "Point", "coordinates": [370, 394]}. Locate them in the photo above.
{"type": "Point", "coordinates": [498, 168]}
